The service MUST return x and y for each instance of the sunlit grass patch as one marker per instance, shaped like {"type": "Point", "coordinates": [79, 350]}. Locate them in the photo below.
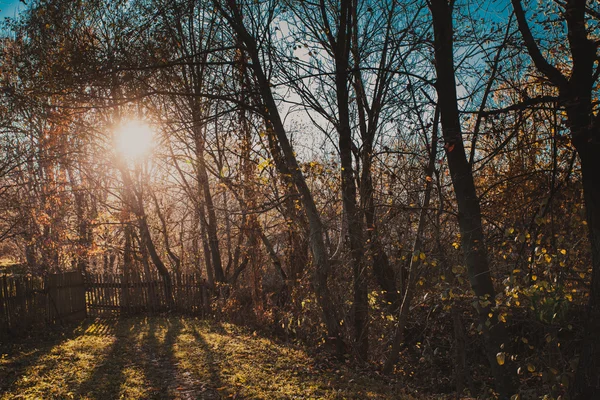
{"type": "Point", "coordinates": [254, 367]}
{"type": "Point", "coordinates": [135, 384]}
{"type": "Point", "coordinates": [61, 369]}
{"type": "Point", "coordinates": [174, 357]}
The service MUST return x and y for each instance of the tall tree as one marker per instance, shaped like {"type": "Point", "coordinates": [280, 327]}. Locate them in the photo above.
{"type": "Point", "coordinates": [469, 210]}
{"type": "Point", "coordinates": [232, 12]}
{"type": "Point", "coordinates": [576, 96]}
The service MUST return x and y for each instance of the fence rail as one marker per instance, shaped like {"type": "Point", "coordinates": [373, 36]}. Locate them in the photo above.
{"type": "Point", "coordinates": [135, 293]}
{"type": "Point", "coordinates": [27, 302]}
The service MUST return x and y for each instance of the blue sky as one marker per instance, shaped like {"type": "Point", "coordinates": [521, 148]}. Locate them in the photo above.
{"type": "Point", "coordinates": [8, 8]}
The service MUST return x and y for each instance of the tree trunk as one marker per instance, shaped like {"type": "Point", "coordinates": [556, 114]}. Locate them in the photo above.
{"type": "Point", "coordinates": [136, 204]}
{"type": "Point", "coordinates": [156, 260]}
{"type": "Point", "coordinates": [587, 377]}
{"type": "Point", "coordinates": [469, 213]}
{"type": "Point", "coordinates": [576, 97]}
{"type": "Point", "coordinates": [211, 224]}
{"type": "Point", "coordinates": [128, 249]}
{"type": "Point", "coordinates": [295, 219]}
{"type": "Point", "coordinates": [382, 269]}
{"type": "Point", "coordinates": [273, 119]}
{"type": "Point", "coordinates": [368, 123]}
{"type": "Point", "coordinates": [353, 215]}
{"type": "Point", "coordinates": [175, 260]}
{"type": "Point", "coordinates": [83, 231]}
{"type": "Point", "coordinates": [210, 275]}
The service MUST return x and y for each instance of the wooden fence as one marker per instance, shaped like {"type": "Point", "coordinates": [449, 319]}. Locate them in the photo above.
{"type": "Point", "coordinates": [133, 293]}
{"type": "Point", "coordinates": [27, 302]}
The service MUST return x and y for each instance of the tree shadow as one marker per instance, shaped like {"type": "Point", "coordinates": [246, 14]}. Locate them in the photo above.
{"type": "Point", "coordinates": [141, 362]}
{"type": "Point", "coordinates": [162, 365]}
{"type": "Point", "coordinates": [117, 358]}
{"type": "Point", "coordinates": [158, 355]}
{"type": "Point", "coordinates": [24, 353]}
{"type": "Point", "coordinates": [208, 358]}
{"type": "Point", "coordinates": [106, 379]}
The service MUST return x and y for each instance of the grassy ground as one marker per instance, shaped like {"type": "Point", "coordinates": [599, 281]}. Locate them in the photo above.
{"type": "Point", "coordinates": [178, 358]}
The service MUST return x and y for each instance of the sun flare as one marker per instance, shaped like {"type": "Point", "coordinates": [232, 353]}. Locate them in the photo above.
{"type": "Point", "coordinates": [134, 139]}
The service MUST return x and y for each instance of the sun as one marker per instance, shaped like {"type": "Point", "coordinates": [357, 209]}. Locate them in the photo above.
{"type": "Point", "coordinates": [134, 139]}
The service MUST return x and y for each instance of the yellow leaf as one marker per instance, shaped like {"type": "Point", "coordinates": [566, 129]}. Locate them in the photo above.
{"type": "Point", "coordinates": [500, 358]}
{"type": "Point", "coordinates": [563, 252]}
{"type": "Point", "coordinates": [530, 368]}
{"type": "Point", "coordinates": [458, 269]}
{"type": "Point", "coordinates": [422, 256]}
{"type": "Point", "coordinates": [569, 297]}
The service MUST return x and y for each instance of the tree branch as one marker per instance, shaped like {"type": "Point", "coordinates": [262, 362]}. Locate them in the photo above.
{"type": "Point", "coordinates": [551, 72]}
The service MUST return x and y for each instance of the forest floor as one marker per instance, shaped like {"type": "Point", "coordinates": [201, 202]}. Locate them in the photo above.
{"type": "Point", "coordinates": [171, 357]}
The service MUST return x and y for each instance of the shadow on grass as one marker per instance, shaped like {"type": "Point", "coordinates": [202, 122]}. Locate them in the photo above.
{"type": "Point", "coordinates": [209, 358]}
{"type": "Point", "coordinates": [26, 352]}
{"type": "Point", "coordinates": [106, 379]}
{"type": "Point", "coordinates": [160, 363]}
{"type": "Point", "coordinates": [129, 357]}
{"type": "Point", "coordinates": [140, 364]}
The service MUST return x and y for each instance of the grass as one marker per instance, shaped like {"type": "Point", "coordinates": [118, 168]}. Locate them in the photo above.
{"type": "Point", "coordinates": [175, 358]}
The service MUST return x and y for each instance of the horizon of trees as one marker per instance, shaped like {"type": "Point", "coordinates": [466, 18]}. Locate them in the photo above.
{"type": "Point", "coordinates": [332, 167]}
